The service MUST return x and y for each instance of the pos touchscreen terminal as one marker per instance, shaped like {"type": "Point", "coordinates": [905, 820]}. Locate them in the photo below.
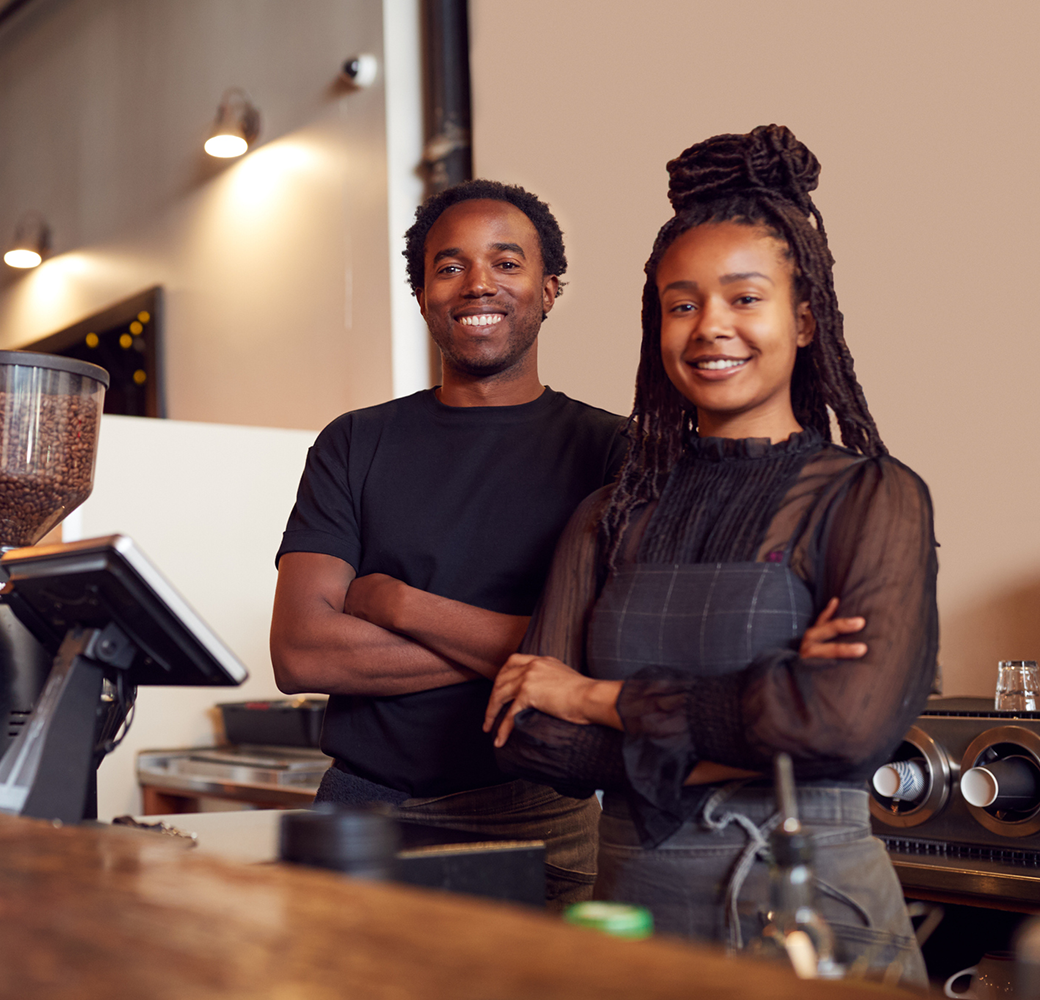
{"type": "Point", "coordinates": [112, 621]}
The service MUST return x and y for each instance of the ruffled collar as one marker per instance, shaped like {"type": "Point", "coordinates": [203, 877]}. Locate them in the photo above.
{"type": "Point", "coordinates": [716, 449]}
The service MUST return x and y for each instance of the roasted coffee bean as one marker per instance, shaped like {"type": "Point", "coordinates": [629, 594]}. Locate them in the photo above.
{"type": "Point", "coordinates": [46, 461]}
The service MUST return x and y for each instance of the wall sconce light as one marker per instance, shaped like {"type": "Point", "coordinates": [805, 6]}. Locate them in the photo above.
{"type": "Point", "coordinates": [32, 240]}
{"type": "Point", "coordinates": [236, 127]}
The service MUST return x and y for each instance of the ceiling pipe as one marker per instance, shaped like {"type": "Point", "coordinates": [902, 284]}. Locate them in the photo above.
{"type": "Point", "coordinates": [447, 155]}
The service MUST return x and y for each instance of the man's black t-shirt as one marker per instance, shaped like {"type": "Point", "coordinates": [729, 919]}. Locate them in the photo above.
{"type": "Point", "coordinates": [465, 502]}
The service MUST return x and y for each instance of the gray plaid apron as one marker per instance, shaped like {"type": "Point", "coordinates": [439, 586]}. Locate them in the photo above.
{"type": "Point", "coordinates": [709, 880]}
{"type": "Point", "coordinates": [708, 618]}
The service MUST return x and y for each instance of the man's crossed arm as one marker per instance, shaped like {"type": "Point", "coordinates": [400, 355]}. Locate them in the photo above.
{"type": "Point", "coordinates": [336, 633]}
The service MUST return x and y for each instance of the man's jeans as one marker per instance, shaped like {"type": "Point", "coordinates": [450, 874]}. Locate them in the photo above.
{"type": "Point", "coordinates": [516, 810]}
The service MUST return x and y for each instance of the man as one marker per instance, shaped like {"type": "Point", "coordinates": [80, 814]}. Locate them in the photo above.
{"type": "Point", "coordinates": [423, 531]}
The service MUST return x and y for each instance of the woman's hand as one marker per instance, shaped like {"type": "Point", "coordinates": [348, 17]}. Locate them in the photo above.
{"type": "Point", "coordinates": [548, 684]}
{"type": "Point", "coordinates": [817, 644]}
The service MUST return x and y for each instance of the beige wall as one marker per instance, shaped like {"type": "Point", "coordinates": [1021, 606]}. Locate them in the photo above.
{"type": "Point", "coordinates": [276, 266]}
{"type": "Point", "coordinates": [923, 114]}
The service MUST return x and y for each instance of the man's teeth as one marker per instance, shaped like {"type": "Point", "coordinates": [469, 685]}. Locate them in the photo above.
{"type": "Point", "coordinates": [484, 319]}
{"type": "Point", "coordinates": [720, 365]}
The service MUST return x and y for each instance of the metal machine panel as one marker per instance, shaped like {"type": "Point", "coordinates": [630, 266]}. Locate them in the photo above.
{"type": "Point", "coordinates": [941, 843]}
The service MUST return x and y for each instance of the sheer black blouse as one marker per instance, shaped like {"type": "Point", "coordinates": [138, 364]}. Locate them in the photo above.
{"type": "Point", "coordinates": [852, 527]}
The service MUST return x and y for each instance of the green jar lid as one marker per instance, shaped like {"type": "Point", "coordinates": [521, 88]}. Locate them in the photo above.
{"type": "Point", "coordinates": [618, 919]}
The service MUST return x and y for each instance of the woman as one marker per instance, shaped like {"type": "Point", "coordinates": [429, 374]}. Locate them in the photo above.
{"type": "Point", "coordinates": [672, 651]}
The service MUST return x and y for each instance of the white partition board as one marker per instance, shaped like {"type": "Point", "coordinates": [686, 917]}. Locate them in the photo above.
{"type": "Point", "coordinates": [207, 503]}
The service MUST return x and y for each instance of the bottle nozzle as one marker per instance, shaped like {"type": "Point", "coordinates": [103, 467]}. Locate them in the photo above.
{"type": "Point", "coordinates": [786, 802]}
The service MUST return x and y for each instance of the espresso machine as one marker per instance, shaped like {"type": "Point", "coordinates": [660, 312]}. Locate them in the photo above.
{"type": "Point", "coordinates": [958, 805]}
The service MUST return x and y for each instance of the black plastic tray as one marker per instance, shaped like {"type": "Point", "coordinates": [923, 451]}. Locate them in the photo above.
{"type": "Point", "coordinates": [286, 722]}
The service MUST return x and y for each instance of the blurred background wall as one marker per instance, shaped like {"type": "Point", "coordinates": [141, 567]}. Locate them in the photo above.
{"type": "Point", "coordinates": [923, 114]}
{"type": "Point", "coordinates": [276, 267]}
{"type": "Point", "coordinates": [284, 308]}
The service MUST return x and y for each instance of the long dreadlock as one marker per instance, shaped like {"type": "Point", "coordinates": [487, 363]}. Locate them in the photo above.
{"type": "Point", "coordinates": [760, 179]}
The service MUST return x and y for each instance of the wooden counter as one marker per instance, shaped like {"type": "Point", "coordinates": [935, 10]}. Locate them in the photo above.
{"type": "Point", "coordinates": [99, 912]}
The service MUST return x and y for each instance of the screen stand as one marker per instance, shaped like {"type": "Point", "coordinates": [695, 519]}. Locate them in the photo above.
{"type": "Point", "coordinates": [24, 667]}
{"type": "Point", "coordinates": [48, 770]}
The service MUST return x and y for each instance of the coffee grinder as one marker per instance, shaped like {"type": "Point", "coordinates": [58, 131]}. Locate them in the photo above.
{"type": "Point", "coordinates": [99, 618]}
{"type": "Point", "coordinates": [50, 413]}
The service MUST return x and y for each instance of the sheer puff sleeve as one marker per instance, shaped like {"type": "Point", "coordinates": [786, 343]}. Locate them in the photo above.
{"type": "Point", "coordinates": [871, 544]}
{"type": "Point", "coordinates": [573, 759]}
{"type": "Point", "coordinates": [558, 625]}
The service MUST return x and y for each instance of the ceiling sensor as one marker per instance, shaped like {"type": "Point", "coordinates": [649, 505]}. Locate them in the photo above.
{"type": "Point", "coordinates": [360, 71]}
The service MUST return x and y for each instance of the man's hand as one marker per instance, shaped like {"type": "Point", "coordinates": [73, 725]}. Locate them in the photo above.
{"type": "Point", "coordinates": [817, 642]}
{"type": "Point", "coordinates": [548, 684]}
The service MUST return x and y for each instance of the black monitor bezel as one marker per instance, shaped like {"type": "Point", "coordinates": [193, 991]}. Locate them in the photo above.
{"type": "Point", "coordinates": [53, 588]}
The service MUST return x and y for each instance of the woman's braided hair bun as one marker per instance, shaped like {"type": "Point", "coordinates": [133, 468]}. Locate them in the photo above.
{"type": "Point", "coordinates": [768, 160]}
{"type": "Point", "coordinates": [762, 179]}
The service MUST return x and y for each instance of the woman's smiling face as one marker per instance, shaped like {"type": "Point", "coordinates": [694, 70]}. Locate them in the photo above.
{"type": "Point", "coordinates": [730, 329]}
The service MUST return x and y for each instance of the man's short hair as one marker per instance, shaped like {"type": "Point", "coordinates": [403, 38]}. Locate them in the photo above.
{"type": "Point", "coordinates": [550, 237]}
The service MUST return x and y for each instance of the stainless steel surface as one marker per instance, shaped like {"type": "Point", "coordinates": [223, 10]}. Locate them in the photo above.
{"type": "Point", "coordinates": [1029, 742]}
{"type": "Point", "coordinates": [990, 882]}
{"type": "Point", "coordinates": [941, 844]}
{"type": "Point", "coordinates": [225, 772]}
{"type": "Point", "coordinates": [938, 778]}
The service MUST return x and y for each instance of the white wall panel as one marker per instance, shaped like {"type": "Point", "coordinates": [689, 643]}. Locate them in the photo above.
{"type": "Point", "coordinates": [207, 503]}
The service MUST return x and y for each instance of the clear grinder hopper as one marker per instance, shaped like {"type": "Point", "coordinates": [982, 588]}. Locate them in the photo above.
{"type": "Point", "coordinates": [50, 414]}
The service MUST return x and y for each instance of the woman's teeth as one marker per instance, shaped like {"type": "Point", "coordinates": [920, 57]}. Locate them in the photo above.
{"type": "Point", "coordinates": [484, 319]}
{"type": "Point", "coordinates": [720, 365]}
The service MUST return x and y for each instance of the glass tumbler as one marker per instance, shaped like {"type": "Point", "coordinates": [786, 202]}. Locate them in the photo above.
{"type": "Point", "coordinates": [1018, 686]}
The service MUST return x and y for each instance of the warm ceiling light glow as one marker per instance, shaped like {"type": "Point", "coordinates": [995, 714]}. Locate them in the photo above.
{"type": "Point", "coordinates": [22, 258]}
{"type": "Point", "coordinates": [236, 127]}
{"type": "Point", "coordinates": [32, 239]}
{"type": "Point", "coordinates": [226, 146]}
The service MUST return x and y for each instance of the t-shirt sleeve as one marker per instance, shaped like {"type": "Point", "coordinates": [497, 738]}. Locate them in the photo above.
{"type": "Point", "coordinates": [324, 517]}
{"type": "Point", "coordinates": [875, 551]}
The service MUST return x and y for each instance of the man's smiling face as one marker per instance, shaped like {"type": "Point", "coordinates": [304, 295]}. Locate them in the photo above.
{"type": "Point", "coordinates": [485, 292]}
